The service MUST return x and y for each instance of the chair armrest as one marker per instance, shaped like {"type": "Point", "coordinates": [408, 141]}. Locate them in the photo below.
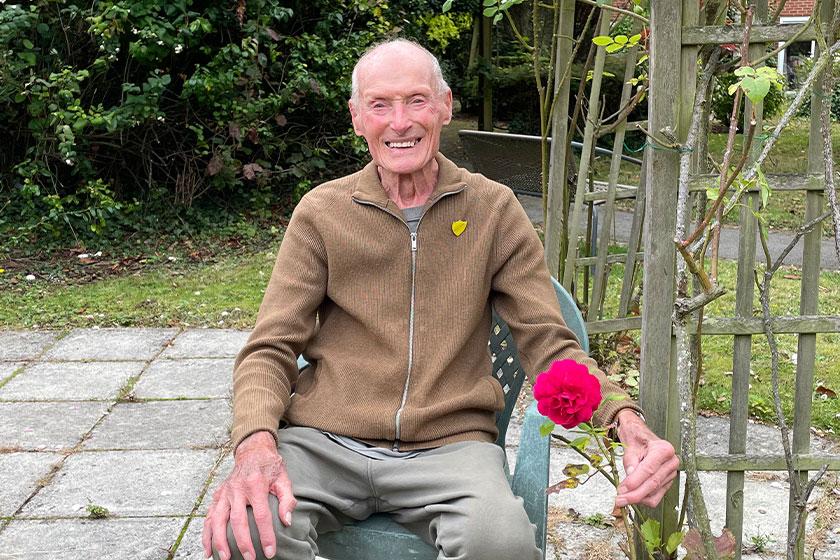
{"type": "Point", "coordinates": [530, 478]}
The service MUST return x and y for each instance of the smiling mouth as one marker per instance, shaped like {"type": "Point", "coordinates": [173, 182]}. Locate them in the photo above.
{"type": "Point", "coordinates": [404, 143]}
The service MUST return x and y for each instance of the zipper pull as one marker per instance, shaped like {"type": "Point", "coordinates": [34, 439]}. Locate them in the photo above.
{"type": "Point", "coordinates": [414, 242]}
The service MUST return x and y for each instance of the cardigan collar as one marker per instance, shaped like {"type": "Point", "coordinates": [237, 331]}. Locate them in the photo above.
{"type": "Point", "coordinates": [369, 188]}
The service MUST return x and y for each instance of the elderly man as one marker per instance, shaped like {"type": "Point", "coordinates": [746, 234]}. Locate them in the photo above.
{"type": "Point", "coordinates": [384, 282]}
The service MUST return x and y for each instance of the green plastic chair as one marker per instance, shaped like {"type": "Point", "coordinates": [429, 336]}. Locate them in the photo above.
{"type": "Point", "coordinates": [381, 538]}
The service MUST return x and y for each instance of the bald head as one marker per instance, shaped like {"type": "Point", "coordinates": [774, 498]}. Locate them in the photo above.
{"type": "Point", "coordinates": [409, 51]}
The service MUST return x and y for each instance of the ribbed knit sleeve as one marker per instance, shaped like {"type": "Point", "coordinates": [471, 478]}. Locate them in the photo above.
{"type": "Point", "coordinates": [523, 295]}
{"type": "Point", "coordinates": [266, 369]}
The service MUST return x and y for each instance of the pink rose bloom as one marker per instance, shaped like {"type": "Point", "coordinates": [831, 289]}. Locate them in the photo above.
{"type": "Point", "coordinates": [567, 393]}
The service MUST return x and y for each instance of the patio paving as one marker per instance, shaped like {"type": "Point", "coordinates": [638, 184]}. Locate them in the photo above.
{"type": "Point", "coordinates": [136, 421]}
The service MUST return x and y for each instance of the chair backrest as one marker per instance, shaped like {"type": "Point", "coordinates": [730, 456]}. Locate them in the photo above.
{"type": "Point", "coordinates": [506, 367]}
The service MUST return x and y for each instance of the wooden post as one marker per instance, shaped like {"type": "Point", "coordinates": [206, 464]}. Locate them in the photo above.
{"type": "Point", "coordinates": [485, 119]}
{"type": "Point", "coordinates": [555, 200]}
{"type": "Point", "coordinates": [605, 225]}
{"type": "Point", "coordinates": [658, 379]}
{"type": "Point", "coordinates": [742, 345]}
{"type": "Point", "coordinates": [575, 216]}
{"type": "Point", "coordinates": [810, 284]}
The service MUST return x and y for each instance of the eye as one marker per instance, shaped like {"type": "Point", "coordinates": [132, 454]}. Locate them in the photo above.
{"type": "Point", "coordinates": [418, 100]}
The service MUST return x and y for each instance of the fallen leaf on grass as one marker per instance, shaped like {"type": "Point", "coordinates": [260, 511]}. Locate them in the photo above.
{"type": "Point", "coordinates": [826, 392]}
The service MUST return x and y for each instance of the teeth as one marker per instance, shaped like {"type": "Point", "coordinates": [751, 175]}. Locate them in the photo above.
{"type": "Point", "coordinates": [408, 144]}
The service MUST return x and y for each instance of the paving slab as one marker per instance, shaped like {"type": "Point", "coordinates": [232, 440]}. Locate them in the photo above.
{"type": "Point", "coordinates": [24, 345]}
{"type": "Point", "coordinates": [19, 473]}
{"type": "Point", "coordinates": [163, 425]}
{"type": "Point", "coordinates": [207, 343]}
{"type": "Point", "coordinates": [110, 344]}
{"type": "Point", "coordinates": [188, 378]}
{"type": "Point", "coordinates": [65, 381]}
{"type": "Point", "coordinates": [8, 368]}
{"type": "Point", "coordinates": [190, 547]}
{"type": "Point", "coordinates": [222, 472]}
{"type": "Point", "coordinates": [127, 483]}
{"type": "Point", "coordinates": [47, 426]}
{"type": "Point", "coordinates": [100, 539]}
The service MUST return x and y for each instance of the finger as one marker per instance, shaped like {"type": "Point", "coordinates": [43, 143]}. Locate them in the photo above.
{"type": "Point", "coordinates": [241, 531]}
{"type": "Point", "coordinates": [631, 459]}
{"type": "Point", "coordinates": [652, 484]}
{"type": "Point", "coordinates": [206, 536]}
{"type": "Point", "coordinates": [286, 500]}
{"type": "Point", "coordinates": [654, 499]}
{"type": "Point", "coordinates": [218, 529]}
{"type": "Point", "coordinates": [639, 469]}
{"type": "Point", "coordinates": [265, 527]}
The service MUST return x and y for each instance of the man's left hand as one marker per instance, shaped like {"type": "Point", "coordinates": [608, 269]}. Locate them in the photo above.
{"type": "Point", "coordinates": [650, 463]}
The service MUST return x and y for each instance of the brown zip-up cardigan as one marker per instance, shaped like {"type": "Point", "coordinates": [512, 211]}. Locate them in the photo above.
{"type": "Point", "coordinates": [396, 326]}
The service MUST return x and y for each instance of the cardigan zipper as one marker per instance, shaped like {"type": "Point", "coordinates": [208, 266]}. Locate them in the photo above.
{"type": "Point", "coordinates": [410, 335]}
{"type": "Point", "coordinates": [411, 313]}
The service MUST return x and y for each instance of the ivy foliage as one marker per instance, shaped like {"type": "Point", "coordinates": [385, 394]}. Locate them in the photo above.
{"type": "Point", "coordinates": [122, 112]}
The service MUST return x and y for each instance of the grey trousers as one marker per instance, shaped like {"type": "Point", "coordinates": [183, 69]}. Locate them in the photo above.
{"type": "Point", "coordinates": [456, 497]}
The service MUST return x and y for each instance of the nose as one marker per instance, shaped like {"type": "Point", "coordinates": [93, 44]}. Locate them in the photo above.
{"type": "Point", "coordinates": [400, 121]}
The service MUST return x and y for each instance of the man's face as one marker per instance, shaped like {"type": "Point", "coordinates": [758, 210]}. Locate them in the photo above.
{"type": "Point", "coordinates": [399, 111]}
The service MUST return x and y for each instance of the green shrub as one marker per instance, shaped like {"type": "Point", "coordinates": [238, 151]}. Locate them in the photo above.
{"type": "Point", "coordinates": [722, 102]}
{"type": "Point", "coordinates": [126, 113]}
{"type": "Point", "coordinates": [802, 72]}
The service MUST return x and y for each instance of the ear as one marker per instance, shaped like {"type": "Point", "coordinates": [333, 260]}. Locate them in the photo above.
{"type": "Point", "coordinates": [447, 101]}
{"type": "Point", "coordinates": [356, 118]}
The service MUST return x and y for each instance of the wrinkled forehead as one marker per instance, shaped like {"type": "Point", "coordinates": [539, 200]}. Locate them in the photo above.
{"type": "Point", "coordinates": [400, 65]}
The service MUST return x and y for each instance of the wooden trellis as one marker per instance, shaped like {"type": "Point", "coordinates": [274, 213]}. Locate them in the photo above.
{"type": "Point", "coordinates": [675, 38]}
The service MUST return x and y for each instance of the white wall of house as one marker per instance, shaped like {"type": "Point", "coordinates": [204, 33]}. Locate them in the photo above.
{"type": "Point", "coordinates": [782, 57]}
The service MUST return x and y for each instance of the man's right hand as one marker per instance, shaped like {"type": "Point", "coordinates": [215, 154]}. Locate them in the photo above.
{"type": "Point", "coordinates": [259, 471]}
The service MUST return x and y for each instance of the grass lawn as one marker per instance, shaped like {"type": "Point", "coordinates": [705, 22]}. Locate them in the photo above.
{"type": "Point", "coordinates": [222, 294]}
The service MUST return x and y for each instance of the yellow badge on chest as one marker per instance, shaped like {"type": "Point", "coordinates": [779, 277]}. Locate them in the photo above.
{"type": "Point", "coordinates": [459, 227]}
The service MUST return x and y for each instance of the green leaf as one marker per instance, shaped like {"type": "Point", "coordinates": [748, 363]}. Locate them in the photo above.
{"type": "Point", "coordinates": [615, 47]}
{"type": "Point", "coordinates": [489, 3]}
{"type": "Point", "coordinates": [745, 71]}
{"type": "Point", "coordinates": [490, 11]}
{"type": "Point", "coordinates": [674, 540]}
{"type": "Point", "coordinates": [596, 459]}
{"type": "Point", "coordinates": [733, 88]}
{"type": "Point", "coordinates": [575, 470]}
{"type": "Point", "coordinates": [621, 39]}
{"type": "Point", "coordinates": [497, 18]}
{"type": "Point", "coordinates": [642, 59]}
{"type": "Point", "coordinates": [650, 533]}
{"type": "Point", "coordinates": [580, 443]}
{"type": "Point", "coordinates": [446, 6]}
{"type": "Point", "coordinates": [636, 38]}
{"type": "Point", "coordinates": [756, 88]}
{"type": "Point", "coordinates": [712, 193]}
{"type": "Point", "coordinates": [603, 40]}
{"type": "Point", "coordinates": [28, 44]}
{"type": "Point", "coordinates": [546, 428]}
{"type": "Point", "coordinates": [28, 57]}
